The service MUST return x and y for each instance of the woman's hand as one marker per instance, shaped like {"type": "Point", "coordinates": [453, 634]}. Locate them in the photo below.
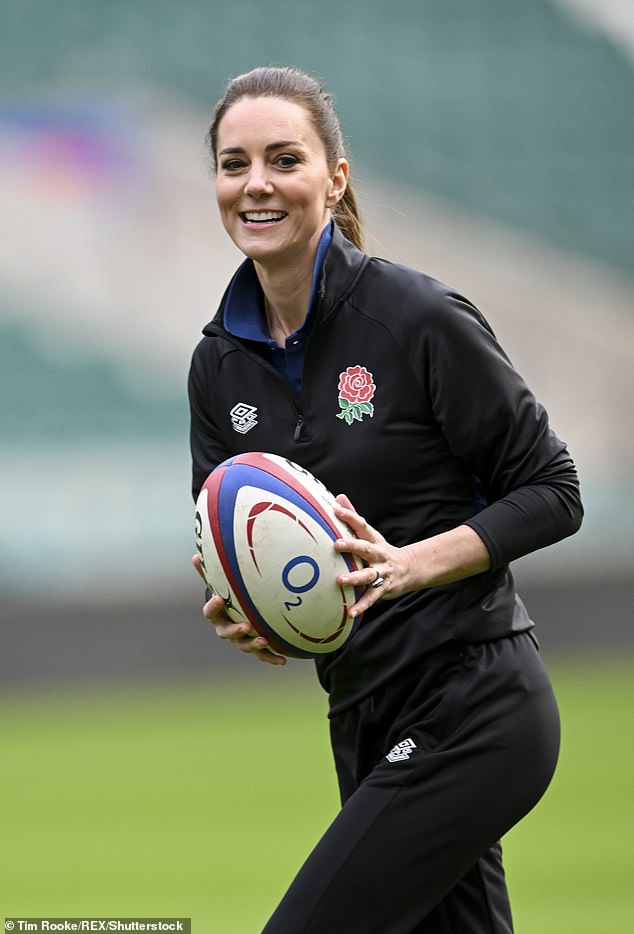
{"type": "Point", "coordinates": [392, 571]}
{"type": "Point", "coordinates": [240, 633]}
{"type": "Point", "coordinates": [387, 574]}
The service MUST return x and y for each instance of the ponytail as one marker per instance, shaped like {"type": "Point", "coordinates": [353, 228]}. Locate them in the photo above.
{"type": "Point", "coordinates": [345, 214]}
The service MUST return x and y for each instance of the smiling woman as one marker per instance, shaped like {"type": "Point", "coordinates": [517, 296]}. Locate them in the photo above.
{"type": "Point", "coordinates": [391, 388]}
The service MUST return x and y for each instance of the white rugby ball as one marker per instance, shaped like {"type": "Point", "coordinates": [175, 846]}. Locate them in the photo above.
{"type": "Point", "coordinates": [264, 532]}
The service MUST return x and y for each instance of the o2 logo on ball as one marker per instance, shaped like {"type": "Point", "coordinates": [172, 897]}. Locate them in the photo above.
{"type": "Point", "coordinates": [292, 565]}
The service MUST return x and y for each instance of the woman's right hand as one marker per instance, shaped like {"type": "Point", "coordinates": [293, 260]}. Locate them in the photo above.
{"type": "Point", "coordinates": [240, 633]}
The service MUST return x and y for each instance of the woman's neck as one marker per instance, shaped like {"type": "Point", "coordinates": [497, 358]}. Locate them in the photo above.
{"type": "Point", "coordinates": [286, 297]}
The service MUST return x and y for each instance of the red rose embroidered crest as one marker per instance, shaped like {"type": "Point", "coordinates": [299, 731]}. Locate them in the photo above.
{"type": "Point", "coordinates": [356, 388]}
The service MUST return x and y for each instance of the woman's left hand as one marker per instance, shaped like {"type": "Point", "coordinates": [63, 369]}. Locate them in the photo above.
{"type": "Point", "coordinates": [388, 571]}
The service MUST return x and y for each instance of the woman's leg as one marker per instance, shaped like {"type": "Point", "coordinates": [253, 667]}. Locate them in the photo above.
{"type": "Point", "coordinates": [420, 827]}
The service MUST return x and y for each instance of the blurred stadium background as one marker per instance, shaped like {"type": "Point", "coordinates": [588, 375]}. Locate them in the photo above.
{"type": "Point", "coordinates": [492, 146]}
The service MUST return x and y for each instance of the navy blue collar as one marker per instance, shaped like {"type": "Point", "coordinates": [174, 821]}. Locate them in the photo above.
{"type": "Point", "coordinates": [244, 308]}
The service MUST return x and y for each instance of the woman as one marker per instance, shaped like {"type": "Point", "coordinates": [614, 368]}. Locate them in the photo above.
{"type": "Point", "coordinates": [391, 388]}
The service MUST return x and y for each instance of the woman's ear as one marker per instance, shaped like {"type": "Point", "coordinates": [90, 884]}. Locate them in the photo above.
{"type": "Point", "coordinates": [338, 183]}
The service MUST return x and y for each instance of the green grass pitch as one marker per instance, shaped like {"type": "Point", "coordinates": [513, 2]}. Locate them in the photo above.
{"type": "Point", "coordinates": [200, 800]}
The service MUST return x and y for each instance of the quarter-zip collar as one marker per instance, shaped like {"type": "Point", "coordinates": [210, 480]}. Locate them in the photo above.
{"type": "Point", "coordinates": [342, 266]}
{"type": "Point", "coordinates": [245, 317]}
{"type": "Point", "coordinates": [244, 307]}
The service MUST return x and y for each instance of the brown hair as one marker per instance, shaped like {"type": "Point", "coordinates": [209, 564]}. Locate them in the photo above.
{"type": "Point", "coordinates": [294, 85]}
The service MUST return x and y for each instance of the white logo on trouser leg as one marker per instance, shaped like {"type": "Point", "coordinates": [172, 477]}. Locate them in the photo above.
{"type": "Point", "coordinates": [401, 751]}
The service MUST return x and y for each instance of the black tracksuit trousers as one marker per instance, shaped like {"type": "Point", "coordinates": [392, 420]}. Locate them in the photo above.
{"type": "Point", "coordinates": [431, 778]}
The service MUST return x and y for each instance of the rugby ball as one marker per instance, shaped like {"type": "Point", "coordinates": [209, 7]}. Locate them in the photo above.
{"type": "Point", "coordinates": [264, 532]}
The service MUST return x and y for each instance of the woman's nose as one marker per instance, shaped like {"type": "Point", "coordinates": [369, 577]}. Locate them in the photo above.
{"type": "Point", "coordinates": [258, 181]}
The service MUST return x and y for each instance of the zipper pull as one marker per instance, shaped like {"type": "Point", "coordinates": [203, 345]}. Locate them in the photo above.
{"type": "Point", "coordinates": [298, 429]}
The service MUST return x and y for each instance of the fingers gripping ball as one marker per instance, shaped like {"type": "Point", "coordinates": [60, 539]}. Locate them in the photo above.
{"type": "Point", "coordinates": [264, 530]}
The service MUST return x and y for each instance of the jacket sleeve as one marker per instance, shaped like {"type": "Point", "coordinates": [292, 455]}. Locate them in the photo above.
{"type": "Point", "coordinates": [493, 422]}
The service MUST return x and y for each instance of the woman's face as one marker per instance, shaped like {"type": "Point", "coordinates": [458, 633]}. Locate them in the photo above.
{"type": "Point", "coordinates": [273, 185]}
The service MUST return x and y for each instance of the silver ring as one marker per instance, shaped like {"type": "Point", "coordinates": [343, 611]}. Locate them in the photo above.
{"type": "Point", "coordinates": [379, 580]}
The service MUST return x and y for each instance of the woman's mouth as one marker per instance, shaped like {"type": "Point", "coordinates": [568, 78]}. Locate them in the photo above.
{"type": "Point", "coordinates": [262, 217]}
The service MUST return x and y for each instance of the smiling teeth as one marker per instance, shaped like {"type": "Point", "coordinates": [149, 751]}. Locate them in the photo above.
{"type": "Point", "coordinates": [264, 215]}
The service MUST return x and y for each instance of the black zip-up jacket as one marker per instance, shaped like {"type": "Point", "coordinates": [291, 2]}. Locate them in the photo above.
{"type": "Point", "coordinates": [442, 432]}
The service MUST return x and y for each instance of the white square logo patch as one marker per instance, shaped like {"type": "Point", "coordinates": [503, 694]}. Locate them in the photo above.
{"type": "Point", "coordinates": [244, 417]}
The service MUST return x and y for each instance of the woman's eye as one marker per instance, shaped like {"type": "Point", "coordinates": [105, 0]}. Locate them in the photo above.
{"type": "Point", "coordinates": [232, 165]}
{"type": "Point", "coordinates": [287, 161]}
